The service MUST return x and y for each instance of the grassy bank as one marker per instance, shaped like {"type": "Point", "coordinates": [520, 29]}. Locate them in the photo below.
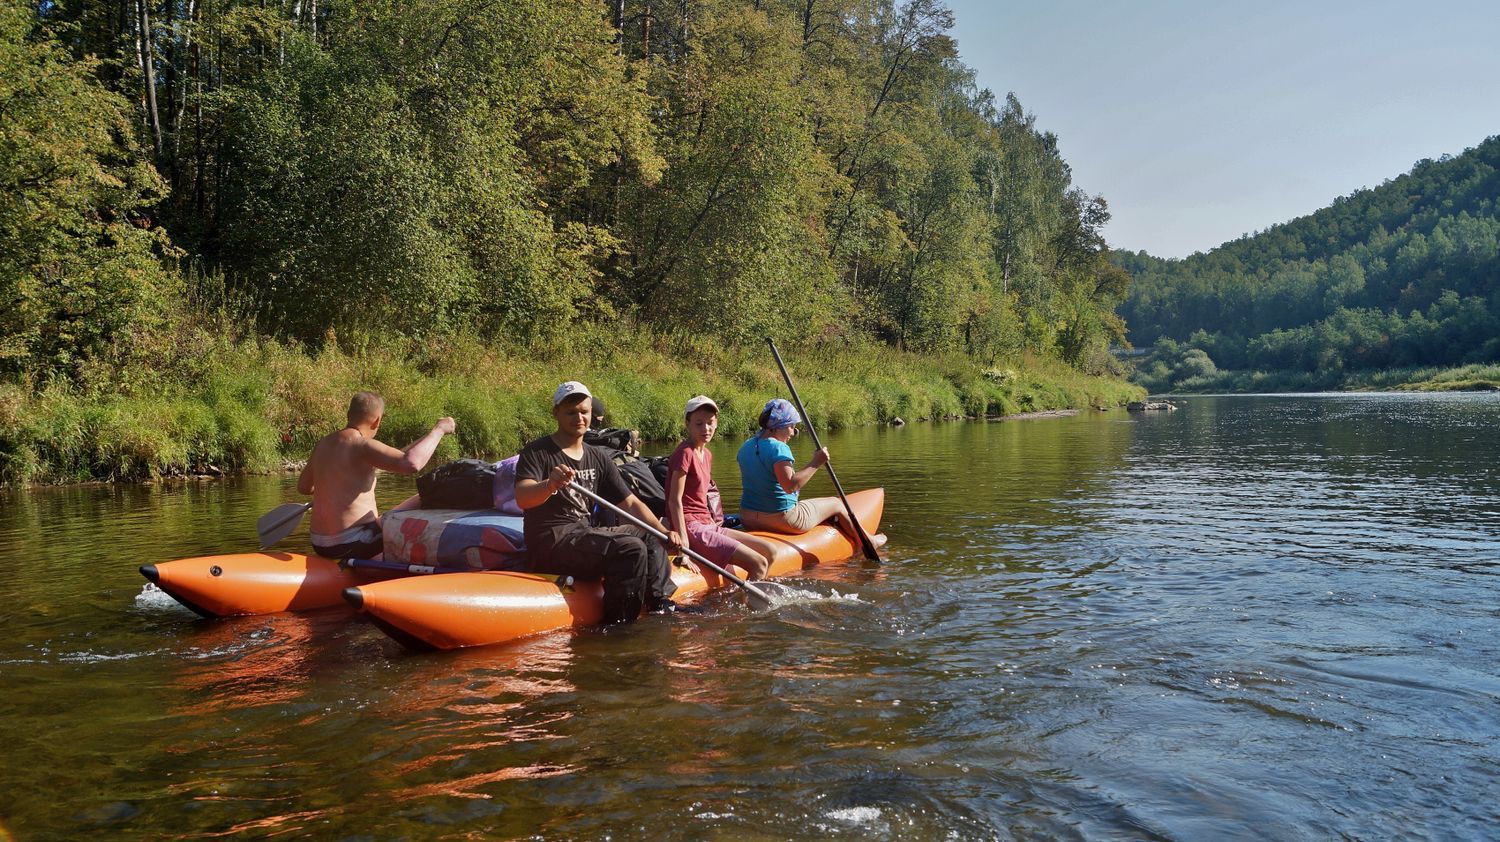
{"type": "Point", "coordinates": [1468, 378]}
{"type": "Point", "coordinates": [1479, 377]}
{"type": "Point", "coordinates": [250, 405]}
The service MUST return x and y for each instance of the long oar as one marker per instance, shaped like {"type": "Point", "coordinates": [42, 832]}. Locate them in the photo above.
{"type": "Point", "coordinates": [279, 522]}
{"type": "Point", "coordinates": [428, 569]}
{"type": "Point", "coordinates": [859, 528]}
{"type": "Point", "coordinates": [403, 567]}
{"type": "Point", "coordinates": [755, 594]}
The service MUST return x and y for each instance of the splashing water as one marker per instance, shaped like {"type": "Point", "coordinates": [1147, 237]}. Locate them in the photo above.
{"type": "Point", "coordinates": [152, 598]}
{"type": "Point", "coordinates": [782, 595]}
{"type": "Point", "coordinates": [856, 815]}
{"type": "Point", "coordinates": [867, 819]}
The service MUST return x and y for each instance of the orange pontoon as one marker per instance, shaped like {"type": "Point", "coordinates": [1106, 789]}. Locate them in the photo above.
{"type": "Point", "coordinates": [475, 609]}
{"type": "Point", "coordinates": [258, 583]}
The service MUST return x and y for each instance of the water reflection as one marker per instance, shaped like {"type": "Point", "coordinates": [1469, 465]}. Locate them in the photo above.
{"type": "Point", "coordinates": [247, 662]}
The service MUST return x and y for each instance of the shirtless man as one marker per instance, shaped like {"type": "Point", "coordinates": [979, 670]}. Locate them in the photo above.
{"type": "Point", "coordinates": [340, 476]}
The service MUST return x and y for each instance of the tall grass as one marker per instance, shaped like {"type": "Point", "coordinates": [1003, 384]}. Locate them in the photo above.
{"type": "Point", "coordinates": [227, 405]}
{"type": "Point", "coordinates": [1466, 378]}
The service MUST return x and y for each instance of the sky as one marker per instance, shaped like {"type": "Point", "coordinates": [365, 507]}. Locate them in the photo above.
{"type": "Point", "coordinates": [1202, 121]}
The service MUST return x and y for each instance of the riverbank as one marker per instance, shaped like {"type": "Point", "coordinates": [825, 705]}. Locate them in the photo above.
{"type": "Point", "coordinates": [1477, 377]}
{"type": "Point", "coordinates": [253, 405]}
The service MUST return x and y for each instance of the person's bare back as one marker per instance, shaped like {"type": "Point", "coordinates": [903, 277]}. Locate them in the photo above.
{"type": "Point", "coordinates": [340, 473]}
{"type": "Point", "coordinates": [342, 477]}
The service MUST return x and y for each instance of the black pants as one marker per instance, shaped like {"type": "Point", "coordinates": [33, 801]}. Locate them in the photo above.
{"type": "Point", "coordinates": [632, 564]}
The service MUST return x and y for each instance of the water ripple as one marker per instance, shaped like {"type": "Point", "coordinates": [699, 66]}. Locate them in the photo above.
{"type": "Point", "coordinates": [1257, 616]}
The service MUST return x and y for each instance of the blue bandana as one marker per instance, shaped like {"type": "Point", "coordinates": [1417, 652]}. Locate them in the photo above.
{"type": "Point", "coordinates": [783, 414]}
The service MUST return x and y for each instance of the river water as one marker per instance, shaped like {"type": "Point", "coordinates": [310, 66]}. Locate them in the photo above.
{"type": "Point", "coordinates": [1269, 617]}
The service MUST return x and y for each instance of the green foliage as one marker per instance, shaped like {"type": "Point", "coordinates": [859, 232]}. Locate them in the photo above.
{"type": "Point", "coordinates": [1469, 378]}
{"type": "Point", "coordinates": [396, 173]}
{"type": "Point", "coordinates": [61, 435]}
{"type": "Point", "coordinates": [253, 405]}
{"type": "Point", "coordinates": [1174, 367]}
{"type": "Point", "coordinates": [721, 241]}
{"type": "Point", "coordinates": [460, 202]}
{"type": "Point", "coordinates": [81, 272]}
{"type": "Point", "coordinates": [399, 180]}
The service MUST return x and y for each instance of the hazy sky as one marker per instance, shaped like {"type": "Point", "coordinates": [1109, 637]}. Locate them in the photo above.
{"type": "Point", "coordinates": [1201, 121]}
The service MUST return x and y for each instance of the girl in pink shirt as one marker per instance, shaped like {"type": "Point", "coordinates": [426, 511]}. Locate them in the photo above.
{"type": "Point", "coordinates": [693, 506]}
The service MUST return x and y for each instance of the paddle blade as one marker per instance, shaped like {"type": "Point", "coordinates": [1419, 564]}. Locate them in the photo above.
{"type": "Point", "coordinates": [759, 600]}
{"type": "Point", "coordinates": [279, 522]}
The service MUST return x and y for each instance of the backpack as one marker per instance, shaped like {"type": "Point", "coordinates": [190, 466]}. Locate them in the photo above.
{"type": "Point", "coordinates": [641, 481]}
{"type": "Point", "coordinates": [614, 438]}
{"type": "Point", "coordinates": [644, 485]}
{"type": "Point", "coordinates": [658, 468]}
{"type": "Point", "coordinates": [460, 484]}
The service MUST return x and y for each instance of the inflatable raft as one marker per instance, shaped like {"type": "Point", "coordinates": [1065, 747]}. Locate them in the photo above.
{"type": "Point", "coordinates": [476, 609]}
{"type": "Point", "coordinates": [269, 582]}
{"type": "Point", "coordinates": [454, 609]}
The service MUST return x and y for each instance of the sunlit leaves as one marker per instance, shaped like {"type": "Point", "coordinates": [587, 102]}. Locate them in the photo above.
{"type": "Point", "coordinates": [410, 171]}
{"type": "Point", "coordinates": [80, 262]}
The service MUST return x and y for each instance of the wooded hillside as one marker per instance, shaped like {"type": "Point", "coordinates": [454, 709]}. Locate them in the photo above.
{"type": "Point", "coordinates": [1404, 274]}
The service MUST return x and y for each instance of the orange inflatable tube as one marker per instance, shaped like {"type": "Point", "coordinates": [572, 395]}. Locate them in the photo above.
{"type": "Point", "coordinates": [257, 583]}
{"type": "Point", "coordinates": [456, 610]}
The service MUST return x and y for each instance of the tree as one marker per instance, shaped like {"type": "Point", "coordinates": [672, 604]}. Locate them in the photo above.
{"type": "Point", "coordinates": [1329, 289]}
{"type": "Point", "coordinates": [723, 242]}
{"type": "Point", "coordinates": [425, 173]}
{"type": "Point", "coordinates": [81, 274]}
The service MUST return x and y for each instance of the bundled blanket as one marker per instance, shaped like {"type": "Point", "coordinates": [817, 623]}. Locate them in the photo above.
{"type": "Point", "coordinates": [484, 539]}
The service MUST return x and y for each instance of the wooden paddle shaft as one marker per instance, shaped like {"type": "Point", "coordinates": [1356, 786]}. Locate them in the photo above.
{"type": "Point", "coordinates": [859, 529]}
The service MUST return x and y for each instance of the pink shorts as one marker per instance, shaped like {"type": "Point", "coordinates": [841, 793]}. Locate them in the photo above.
{"type": "Point", "coordinates": [710, 541]}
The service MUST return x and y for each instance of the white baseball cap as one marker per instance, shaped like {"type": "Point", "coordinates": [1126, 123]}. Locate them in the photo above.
{"type": "Point", "coordinates": [568, 390]}
{"type": "Point", "coordinates": [697, 403]}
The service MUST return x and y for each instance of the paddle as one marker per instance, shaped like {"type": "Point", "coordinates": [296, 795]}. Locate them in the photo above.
{"type": "Point", "coordinates": [859, 528]}
{"type": "Point", "coordinates": [402, 567]}
{"type": "Point", "coordinates": [430, 570]}
{"type": "Point", "coordinates": [279, 522]}
{"type": "Point", "coordinates": [755, 594]}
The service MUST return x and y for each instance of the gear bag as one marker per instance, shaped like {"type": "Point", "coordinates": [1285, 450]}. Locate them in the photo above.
{"type": "Point", "coordinates": [460, 484]}
{"type": "Point", "coordinates": [614, 438]}
{"type": "Point", "coordinates": [644, 485]}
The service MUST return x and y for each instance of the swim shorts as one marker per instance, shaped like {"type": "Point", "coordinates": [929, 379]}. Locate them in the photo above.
{"type": "Point", "coordinates": [710, 541]}
{"type": "Point", "coordinates": [362, 540]}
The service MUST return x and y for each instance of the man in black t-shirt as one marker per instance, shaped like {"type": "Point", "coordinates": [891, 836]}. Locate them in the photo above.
{"type": "Point", "coordinates": [559, 537]}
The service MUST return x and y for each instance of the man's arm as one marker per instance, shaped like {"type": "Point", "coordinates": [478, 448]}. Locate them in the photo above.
{"type": "Point", "coordinates": [531, 493]}
{"type": "Point", "coordinates": [305, 479]}
{"type": "Point", "coordinates": [633, 504]}
{"type": "Point", "coordinates": [414, 457]}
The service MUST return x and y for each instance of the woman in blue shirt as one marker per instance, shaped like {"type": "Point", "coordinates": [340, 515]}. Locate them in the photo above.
{"type": "Point", "coordinates": [770, 479]}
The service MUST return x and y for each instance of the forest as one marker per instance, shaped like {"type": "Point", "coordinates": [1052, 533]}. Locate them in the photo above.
{"type": "Point", "coordinates": [1405, 275]}
{"type": "Point", "coordinates": [194, 181]}
{"type": "Point", "coordinates": [390, 171]}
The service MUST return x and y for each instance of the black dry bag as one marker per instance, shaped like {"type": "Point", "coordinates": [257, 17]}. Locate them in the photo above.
{"type": "Point", "coordinates": [460, 484]}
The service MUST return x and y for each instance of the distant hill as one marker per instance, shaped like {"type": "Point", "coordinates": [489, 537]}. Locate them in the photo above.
{"type": "Point", "coordinates": [1404, 274]}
